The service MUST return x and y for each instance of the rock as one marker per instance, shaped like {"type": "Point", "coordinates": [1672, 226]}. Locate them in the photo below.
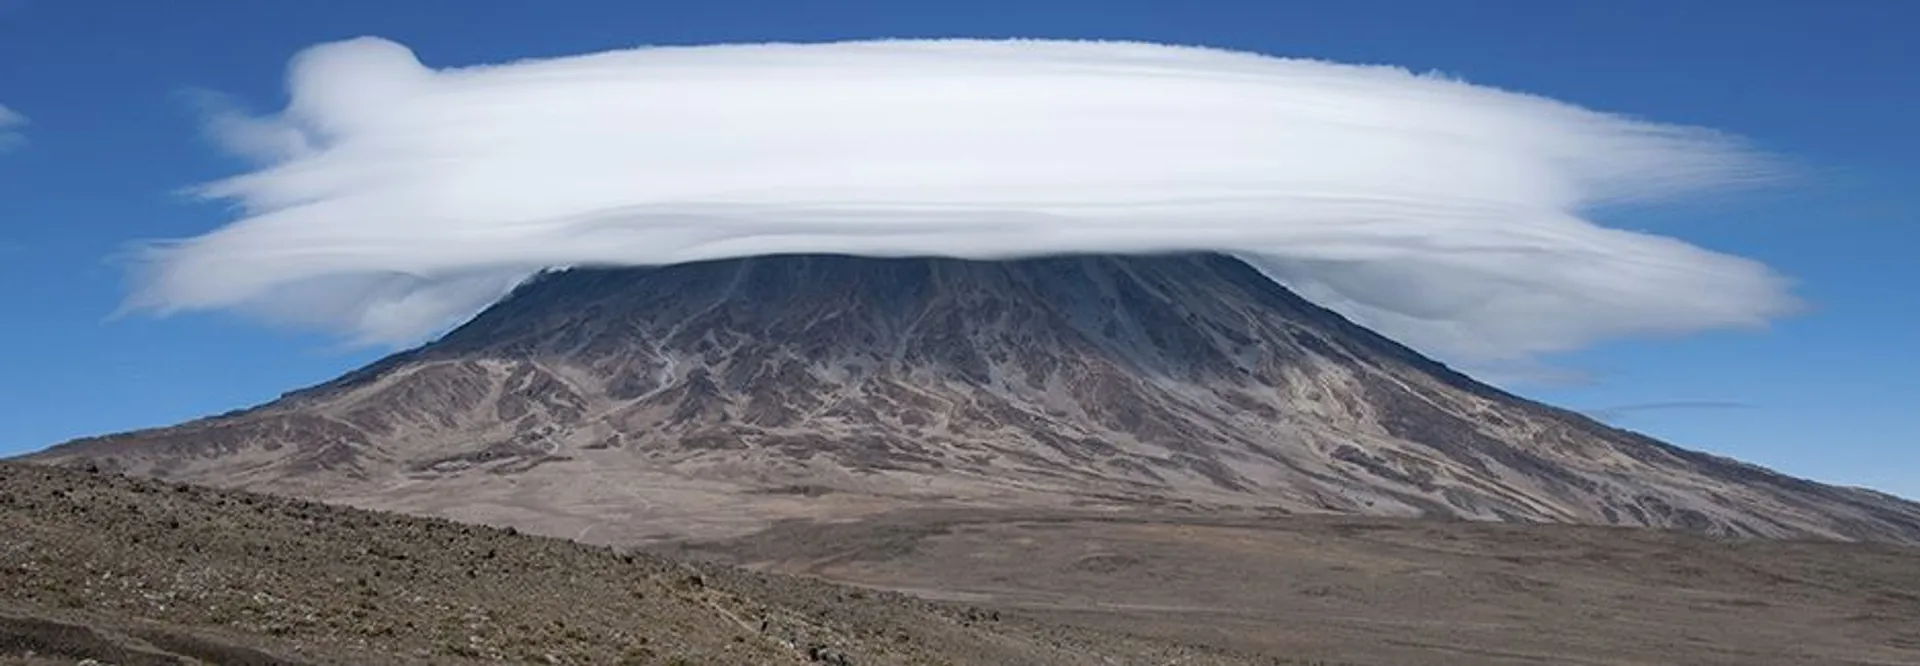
{"type": "Point", "coordinates": [829, 655]}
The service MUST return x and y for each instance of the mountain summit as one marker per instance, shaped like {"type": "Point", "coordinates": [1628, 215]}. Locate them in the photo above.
{"type": "Point", "coordinates": [715, 397]}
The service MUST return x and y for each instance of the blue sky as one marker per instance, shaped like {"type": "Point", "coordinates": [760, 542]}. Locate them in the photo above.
{"type": "Point", "coordinates": [1830, 394]}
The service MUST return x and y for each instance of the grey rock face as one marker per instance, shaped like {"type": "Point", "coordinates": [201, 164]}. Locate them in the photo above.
{"type": "Point", "coordinates": [718, 396]}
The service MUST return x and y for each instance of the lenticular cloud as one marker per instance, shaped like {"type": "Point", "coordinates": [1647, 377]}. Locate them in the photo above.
{"type": "Point", "coordinates": [393, 199]}
{"type": "Point", "coordinates": [10, 120]}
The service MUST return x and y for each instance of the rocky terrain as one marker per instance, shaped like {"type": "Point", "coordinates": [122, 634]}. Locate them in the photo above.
{"type": "Point", "coordinates": [822, 459]}
{"type": "Point", "coordinates": [712, 399]}
{"type": "Point", "coordinates": [1385, 592]}
{"type": "Point", "coordinates": [139, 572]}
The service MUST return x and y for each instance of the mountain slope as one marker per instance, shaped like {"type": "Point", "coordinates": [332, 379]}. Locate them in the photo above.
{"type": "Point", "coordinates": [714, 397]}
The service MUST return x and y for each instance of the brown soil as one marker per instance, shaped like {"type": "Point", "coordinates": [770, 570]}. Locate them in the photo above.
{"type": "Point", "coordinates": [136, 572]}
{"type": "Point", "coordinates": [139, 572]}
{"type": "Point", "coordinates": [1387, 592]}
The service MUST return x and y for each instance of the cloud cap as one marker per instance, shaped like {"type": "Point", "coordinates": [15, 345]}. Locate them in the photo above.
{"type": "Point", "coordinates": [393, 199]}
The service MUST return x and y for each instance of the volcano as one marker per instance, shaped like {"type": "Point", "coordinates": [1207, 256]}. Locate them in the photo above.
{"type": "Point", "coordinates": [713, 398]}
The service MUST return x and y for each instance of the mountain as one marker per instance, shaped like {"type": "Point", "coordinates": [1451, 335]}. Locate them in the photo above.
{"type": "Point", "coordinates": [714, 398]}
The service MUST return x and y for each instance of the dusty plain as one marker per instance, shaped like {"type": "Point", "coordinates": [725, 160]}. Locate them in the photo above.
{"type": "Point", "coordinates": [1378, 591]}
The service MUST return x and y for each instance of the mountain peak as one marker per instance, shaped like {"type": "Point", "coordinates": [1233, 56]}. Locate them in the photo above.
{"type": "Point", "coordinates": [700, 398]}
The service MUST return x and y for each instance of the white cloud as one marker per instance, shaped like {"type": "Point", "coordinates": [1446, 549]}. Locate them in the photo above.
{"type": "Point", "coordinates": [395, 199]}
{"type": "Point", "coordinates": [10, 122]}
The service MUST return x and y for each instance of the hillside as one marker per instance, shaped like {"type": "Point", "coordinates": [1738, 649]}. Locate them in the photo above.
{"type": "Point", "coordinates": [716, 398]}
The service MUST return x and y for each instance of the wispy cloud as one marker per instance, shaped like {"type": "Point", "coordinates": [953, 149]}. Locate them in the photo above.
{"type": "Point", "coordinates": [395, 199]}
{"type": "Point", "coordinates": [1621, 412]}
{"type": "Point", "coordinates": [227, 122]}
{"type": "Point", "coordinates": [10, 123]}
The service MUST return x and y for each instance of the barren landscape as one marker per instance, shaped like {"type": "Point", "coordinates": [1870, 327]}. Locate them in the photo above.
{"type": "Point", "coordinates": [1350, 590]}
{"type": "Point", "coordinates": [144, 573]}
{"type": "Point", "coordinates": [1081, 459]}
{"type": "Point", "coordinates": [627, 405]}
{"type": "Point", "coordinates": [140, 572]}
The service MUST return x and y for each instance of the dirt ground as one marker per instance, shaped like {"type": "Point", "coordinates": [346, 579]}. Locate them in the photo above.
{"type": "Point", "coordinates": [143, 573]}
{"type": "Point", "coordinates": [1386, 592]}
{"type": "Point", "coordinates": [139, 572]}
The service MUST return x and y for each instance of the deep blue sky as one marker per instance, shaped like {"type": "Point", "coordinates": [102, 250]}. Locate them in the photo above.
{"type": "Point", "coordinates": [1833, 394]}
